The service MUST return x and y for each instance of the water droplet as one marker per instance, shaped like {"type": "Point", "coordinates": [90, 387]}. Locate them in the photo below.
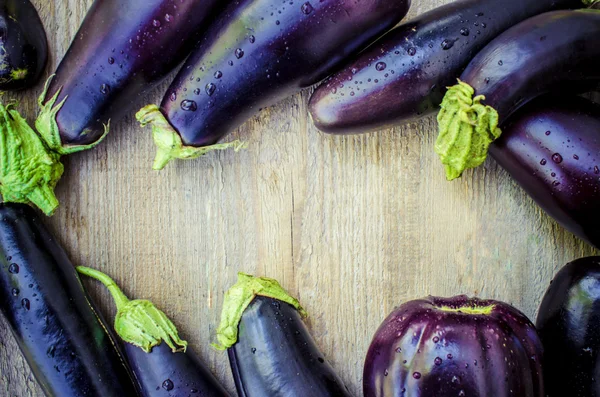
{"type": "Point", "coordinates": [218, 74]}
{"type": "Point", "coordinates": [15, 292]}
{"type": "Point", "coordinates": [168, 385]}
{"type": "Point", "coordinates": [25, 303]}
{"type": "Point", "coordinates": [230, 63]}
{"type": "Point", "coordinates": [156, 23]}
{"type": "Point", "coordinates": [596, 170]}
{"type": "Point", "coordinates": [557, 158]}
{"type": "Point", "coordinates": [464, 31]}
{"type": "Point", "coordinates": [436, 339]}
{"type": "Point", "coordinates": [197, 91]}
{"type": "Point", "coordinates": [555, 183]}
{"type": "Point", "coordinates": [239, 53]}
{"type": "Point", "coordinates": [416, 375]}
{"type": "Point", "coordinates": [13, 268]}
{"type": "Point", "coordinates": [251, 39]}
{"type": "Point", "coordinates": [398, 350]}
{"type": "Point", "coordinates": [553, 174]}
{"type": "Point", "coordinates": [111, 60]}
{"type": "Point", "coordinates": [168, 17]}
{"type": "Point", "coordinates": [461, 393]}
{"type": "Point", "coordinates": [253, 350]}
{"type": "Point", "coordinates": [352, 93]}
{"type": "Point", "coordinates": [437, 361]}
{"type": "Point", "coordinates": [447, 44]}
{"type": "Point", "coordinates": [455, 379]}
{"type": "Point", "coordinates": [411, 51]}
{"type": "Point", "coordinates": [543, 162]}
{"type": "Point", "coordinates": [576, 157]}
{"type": "Point", "coordinates": [449, 356]}
{"type": "Point", "coordinates": [500, 63]}
{"type": "Point", "coordinates": [173, 97]}
{"type": "Point", "coordinates": [189, 106]}
{"type": "Point", "coordinates": [277, 22]}
{"type": "Point", "coordinates": [380, 66]}
{"type": "Point", "coordinates": [548, 133]}
{"type": "Point", "coordinates": [307, 8]}
{"type": "Point", "coordinates": [105, 89]}
{"type": "Point", "coordinates": [194, 391]}
{"type": "Point", "coordinates": [210, 89]}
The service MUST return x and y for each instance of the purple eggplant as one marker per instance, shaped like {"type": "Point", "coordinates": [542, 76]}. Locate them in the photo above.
{"type": "Point", "coordinates": [404, 75]}
{"type": "Point", "coordinates": [59, 330]}
{"type": "Point", "coordinates": [122, 49]}
{"type": "Point", "coordinates": [448, 347]}
{"type": "Point", "coordinates": [162, 362]}
{"type": "Point", "coordinates": [255, 54]}
{"type": "Point", "coordinates": [551, 147]}
{"type": "Point", "coordinates": [555, 51]}
{"type": "Point", "coordinates": [270, 349]}
{"type": "Point", "coordinates": [23, 45]}
{"type": "Point", "coordinates": [569, 326]}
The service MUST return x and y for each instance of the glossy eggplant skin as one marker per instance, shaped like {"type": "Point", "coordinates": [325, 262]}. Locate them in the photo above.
{"type": "Point", "coordinates": [554, 51]}
{"type": "Point", "coordinates": [430, 348]}
{"type": "Point", "coordinates": [403, 76]}
{"type": "Point", "coordinates": [164, 373]}
{"type": "Point", "coordinates": [275, 355]}
{"type": "Point", "coordinates": [569, 326]}
{"type": "Point", "coordinates": [122, 50]}
{"type": "Point", "coordinates": [23, 44]}
{"type": "Point", "coordinates": [551, 147]}
{"type": "Point", "coordinates": [65, 341]}
{"type": "Point", "coordinates": [261, 51]}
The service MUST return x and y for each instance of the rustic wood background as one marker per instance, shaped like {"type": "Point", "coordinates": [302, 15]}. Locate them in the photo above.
{"type": "Point", "coordinates": [352, 226]}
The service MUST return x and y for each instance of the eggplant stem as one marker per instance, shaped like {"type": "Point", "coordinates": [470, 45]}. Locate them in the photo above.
{"type": "Point", "coordinates": [119, 297]}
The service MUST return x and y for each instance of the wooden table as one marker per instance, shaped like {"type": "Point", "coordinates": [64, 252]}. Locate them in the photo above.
{"type": "Point", "coordinates": [352, 226]}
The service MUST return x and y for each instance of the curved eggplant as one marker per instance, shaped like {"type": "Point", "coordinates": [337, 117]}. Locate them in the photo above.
{"type": "Point", "coordinates": [554, 51]}
{"type": "Point", "coordinates": [270, 349]}
{"type": "Point", "coordinates": [404, 75]}
{"type": "Point", "coordinates": [257, 53]}
{"type": "Point", "coordinates": [58, 329]}
{"type": "Point", "coordinates": [162, 362]}
{"type": "Point", "coordinates": [23, 45]}
{"type": "Point", "coordinates": [569, 326]}
{"type": "Point", "coordinates": [551, 148]}
{"type": "Point", "coordinates": [460, 346]}
{"type": "Point", "coordinates": [122, 49]}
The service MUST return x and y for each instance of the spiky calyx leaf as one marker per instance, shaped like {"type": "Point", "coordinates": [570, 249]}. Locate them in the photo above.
{"type": "Point", "coordinates": [169, 145]}
{"type": "Point", "coordinates": [239, 297]}
{"type": "Point", "coordinates": [139, 322]}
{"type": "Point", "coordinates": [29, 171]}
{"type": "Point", "coordinates": [466, 130]}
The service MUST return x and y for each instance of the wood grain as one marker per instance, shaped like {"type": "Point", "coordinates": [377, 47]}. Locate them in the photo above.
{"type": "Point", "coordinates": [352, 226]}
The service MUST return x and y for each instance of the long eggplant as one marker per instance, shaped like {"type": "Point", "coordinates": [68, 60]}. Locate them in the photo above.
{"type": "Point", "coordinates": [255, 54]}
{"type": "Point", "coordinates": [122, 49]}
{"type": "Point", "coordinates": [162, 362]}
{"type": "Point", "coordinates": [403, 76]}
{"type": "Point", "coordinates": [555, 51]}
{"type": "Point", "coordinates": [23, 45]}
{"type": "Point", "coordinates": [449, 347]}
{"type": "Point", "coordinates": [551, 147]}
{"type": "Point", "coordinates": [569, 326]}
{"type": "Point", "coordinates": [62, 336]}
{"type": "Point", "coordinates": [270, 349]}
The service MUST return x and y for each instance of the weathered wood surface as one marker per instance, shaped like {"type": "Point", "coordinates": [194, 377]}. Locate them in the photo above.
{"type": "Point", "coordinates": [352, 226]}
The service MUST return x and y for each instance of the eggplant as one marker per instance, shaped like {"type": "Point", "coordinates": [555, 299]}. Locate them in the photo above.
{"type": "Point", "coordinates": [403, 76]}
{"type": "Point", "coordinates": [552, 52]}
{"type": "Point", "coordinates": [270, 350]}
{"type": "Point", "coordinates": [569, 326]}
{"type": "Point", "coordinates": [23, 45]}
{"type": "Point", "coordinates": [551, 148]}
{"type": "Point", "coordinates": [122, 50]}
{"type": "Point", "coordinates": [459, 346]}
{"type": "Point", "coordinates": [162, 362]}
{"type": "Point", "coordinates": [257, 53]}
{"type": "Point", "coordinates": [57, 327]}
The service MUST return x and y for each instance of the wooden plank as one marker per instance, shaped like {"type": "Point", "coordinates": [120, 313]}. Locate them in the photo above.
{"type": "Point", "coordinates": [353, 225]}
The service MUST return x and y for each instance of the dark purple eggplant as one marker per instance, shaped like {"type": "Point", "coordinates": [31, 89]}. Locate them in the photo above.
{"type": "Point", "coordinates": [404, 75]}
{"type": "Point", "coordinates": [255, 54]}
{"type": "Point", "coordinates": [270, 350]}
{"type": "Point", "coordinates": [551, 147]}
{"type": "Point", "coordinates": [58, 329]}
{"type": "Point", "coordinates": [557, 51]}
{"type": "Point", "coordinates": [448, 347]}
{"type": "Point", "coordinates": [122, 49]}
{"type": "Point", "coordinates": [569, 326]}
{"type": "Point", "coordinates": [23, 45]}
{"type": "Point", "coordinates": [162, 362]}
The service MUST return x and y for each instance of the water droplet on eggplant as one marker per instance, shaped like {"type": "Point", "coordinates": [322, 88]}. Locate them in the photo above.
{"type": "Point", "coordinates": [380, 66]}
{"type": "Point", "coordinates": [307, 8]}
{"type": "Point", "coordinates": [25, 303]}
{"type": "Point", "coordinates": [13, 268]}
{"type": "Point", "coordinates": [557, 158]}
{"type": "Point", "coordinates": [168, 385]}
{"type": "Point", "coordinates": [105, 89]}
{"type": "Point", "coordinates": [15, 292]}
{"type": "Point", "coordinates": [416, 375]}
{"type": "Point", "coordinates": [218, 74]}
{"type": "Point", "coordinates": [239, 53]}
{"type": "Point", "coordinates": [210, 89]}
{"type": "Point", "coordinates": [189, 106]}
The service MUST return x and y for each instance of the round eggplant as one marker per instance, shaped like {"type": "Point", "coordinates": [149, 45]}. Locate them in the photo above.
{"type": "Point", "coordinates": [23, 45]}
{"type": "Point", "coordinates": [569, 325]}
{"type": "Point", "coordinates": [438, 347]}
{"type": "Point", "coordinates": [58, 329]}
{"type": "Point", "coordinates": [270, 349]}
{"type": "Point", "coordinates": [404, 75]}
{"type": "Point", "coordinates": [257, 53]}
{"type": "Point", "coordinates": [557, 51]}
{"type": "Point", "coordinates": [551, 147]}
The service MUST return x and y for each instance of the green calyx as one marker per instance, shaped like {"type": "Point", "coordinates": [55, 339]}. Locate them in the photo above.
{"type": "Point", "coordinates": [168, 142]}
{"type": "Point", "coordinates": [237, 300]}
{"type": "Point", "coordinates": [471, 310]}
{"type": "Point", "coordinates": [29, 171]}
{"type": "Point", "coordinates": [466, 130]}
{"type": "Point", "coordinates": [139, 322]}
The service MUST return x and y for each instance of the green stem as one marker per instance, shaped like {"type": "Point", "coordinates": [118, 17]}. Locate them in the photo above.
{"type": "Point", "coordinates": [120, 298]}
